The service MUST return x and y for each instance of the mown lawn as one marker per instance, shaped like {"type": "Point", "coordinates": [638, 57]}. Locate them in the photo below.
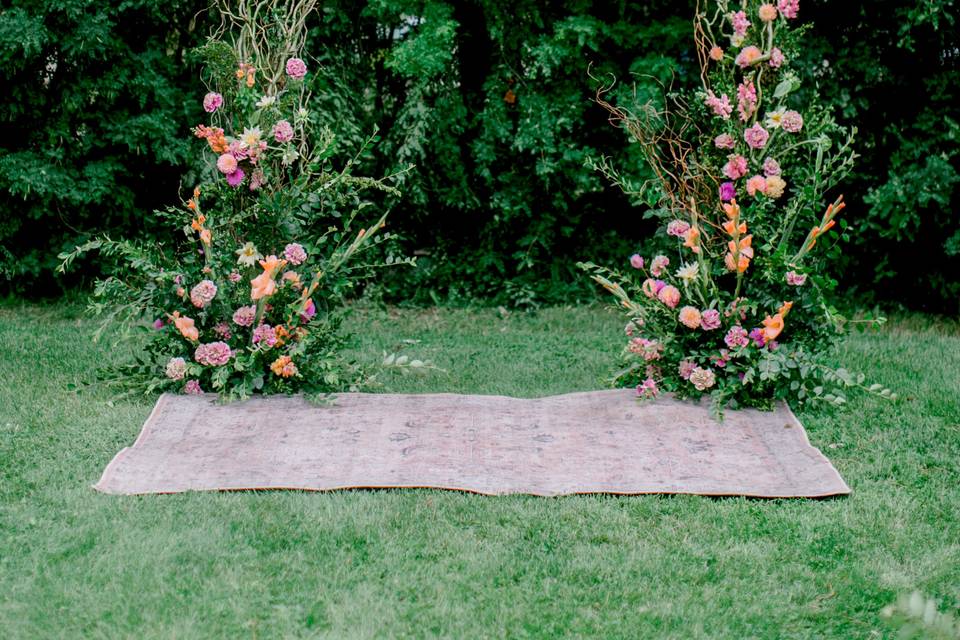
{"type": "Point", "coordinates": [422, 563]}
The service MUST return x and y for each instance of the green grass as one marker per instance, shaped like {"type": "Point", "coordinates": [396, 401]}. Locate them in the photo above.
{"type": "Point", "coordinates": [422, 563]}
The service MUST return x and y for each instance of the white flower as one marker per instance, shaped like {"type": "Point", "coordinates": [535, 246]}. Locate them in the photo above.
{"type": "Point", "coordinates": [736, 40]}
{"type": "Point", "coordinates": [289, 156]}
{"type": "Point", "coordinates": [266, 101]}
{"type": "Point", "coordinates": [702, 379]}
{"type": "Point", "coordinates": [248, 255]}
{"type": "Point", "coordinates": [775, 118]}
{"type": "Point", "coordinates": [688, 272]}
{"type": "Point", "coordinates": [251, 137]}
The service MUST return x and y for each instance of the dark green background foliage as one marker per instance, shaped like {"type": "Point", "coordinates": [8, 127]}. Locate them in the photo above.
{"type": "Point", "coordinates": [491, 100]}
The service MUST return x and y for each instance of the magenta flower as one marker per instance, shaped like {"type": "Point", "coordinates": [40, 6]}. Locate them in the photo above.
{"type": "Point", "coordinates": [283, 131]}
{"type": "Point", "coordinates": [192, 388]}
{"type": "Point", "coordinates": [296, 68]}
{"type": "Point", "coordinates": [158, 324]}
{"type": "Point", "coordinates": [757, 336]}
{"type": "Point", "coordinates": [796, 279]}
{"type": "Point", "coordinates": [727, 191]}
{"type": "Point", "coordinates": [236, 178]}
{"type": "Point", "coordinates": [295, 253]}
{"type": "Point", "coordinates": [756, 136]}
{"type": "Point", "coordinates": [309, 311]}
{"type": "Point", "coordinates": [710, 320]}
{"type": "Point", "coordinates": [212, 101]}
{"type": "Point", "coordinates": [648, 389]}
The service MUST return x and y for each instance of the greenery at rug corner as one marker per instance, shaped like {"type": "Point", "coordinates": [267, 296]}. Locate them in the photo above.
{"type": "Point", "coordinates": [492, 103]}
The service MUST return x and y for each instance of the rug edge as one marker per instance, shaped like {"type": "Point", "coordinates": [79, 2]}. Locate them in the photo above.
{"type": "Point", "coordinates": [102, 484]}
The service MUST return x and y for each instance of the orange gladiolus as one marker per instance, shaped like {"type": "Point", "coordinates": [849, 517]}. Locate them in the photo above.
{"type": "Point", "coordinates": [186, 327]}
{"type": "Point", "coordinates": [692, 239]}
{"type": "Point", "coordinates": [196, 192]}
{"type": "Point", "coordinates": [197, 223]}
{"type": "Point", "coordinates": [206, 236]}
{"type": "Point", "coordinates": [785, 308]}
{"type": "Point", "coordinates": [264, 285]}
{"type": "Point", "coordinates": [191, 205]}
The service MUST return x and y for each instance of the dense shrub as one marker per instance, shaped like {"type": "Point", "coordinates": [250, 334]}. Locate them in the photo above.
{"type": "Point", "coordinates": [492, 101]}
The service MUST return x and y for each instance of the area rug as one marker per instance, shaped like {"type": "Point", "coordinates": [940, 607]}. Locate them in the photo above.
{"type": "Point", "coordinates": [595, 442]}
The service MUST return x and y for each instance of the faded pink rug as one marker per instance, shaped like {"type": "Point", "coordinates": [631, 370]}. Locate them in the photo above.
{"type": "Point", "coordinates": [596, 442]}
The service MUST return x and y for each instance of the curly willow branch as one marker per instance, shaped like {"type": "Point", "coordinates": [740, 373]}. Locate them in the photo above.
{"type": "Point", "coordinates": [265, 33]}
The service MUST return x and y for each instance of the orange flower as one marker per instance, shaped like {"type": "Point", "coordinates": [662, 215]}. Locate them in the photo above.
{"type": "Point", "coordinates": [785, 308]}
{"type": "Point", "coordinates": [196, 192]}
{"type": "Point", "coordinates": [206, 236]}
{"type": "Point", "coordinates": [264, 285]}
{"type": "Point", "coordinates": [197, 223]}
{"type": "Point", "coordinates": [741, 251]}
{"type": "Point", "coordinates": [186, 327]}
{"type": "Point", "coordinates": [692, 239]}
{"type": "Point", "coordinates": [284, 367]}
{"type": "Point", "coordinates": [772, 326]}
{"type": "Point", "coordinates": [191, 205]}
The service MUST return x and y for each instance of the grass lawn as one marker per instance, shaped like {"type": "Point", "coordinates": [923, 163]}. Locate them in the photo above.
{"type": "Point", "coordinates": [419, 563]}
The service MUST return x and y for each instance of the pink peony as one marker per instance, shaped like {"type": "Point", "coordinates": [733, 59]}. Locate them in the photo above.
{"type": "Point", "coordinates": [792, 122]}
{"type": "Point", "coordinates": [710, 320]}
{"type": "Point", "coordinates": [296, 68]}
{"type": "Point", "coordinates": [192, 388]}
{"type": "Point", "coordinates": [740, 23]}
{"type": "Point", "coordinates": [771, 167]}
{"type": "Point", "coordinates": [203, 293]}
{"type": "Point", "coordinates": [282, 131]}
{"type": "Point", "coordinates": [736, 167]}
{"type": "Point", "coordinates": [176, 368]}
{"type": "Point", "coordinates": [227, 163]}
{"type": "Point", "coordinates": [776, 58]}
{"type": "Point", "coordinates": [294, 253]}
{"type": "Point", "coordinates": [796, 279]}
{"type": "Point", "coordinates": [747, 56]}
{"type": "Point", "coordinates": [724, 141]}
{"type": "Point", "coordinates": [243, 317]}
{"type": "Point", "coordinates": [213, 354]}
{"type": "Point", "coordinates": [658, 265]}
{"type": "Point", "coordinates": [236, 178]}
{"type": "Point", "coordinates": [756, 184]}
{"type": "Point", "coordinates": [670, 296]}
{"type": "Point", "coordinates": [789, 8]}
{"type": "Point", "coordinates": [720, 106]}
{"type": "Point", "coordinates": [677, 228]}
{"type": "Point", "coordinates": [212, 101]}
{"type": "Point", "coordinates": [756, 136]}
{"type": "Point", "coordinates": [736, 337]}
{"type": "Point", "coordinates": [746, 99]}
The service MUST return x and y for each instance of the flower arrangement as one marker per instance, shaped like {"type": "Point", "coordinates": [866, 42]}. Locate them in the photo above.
{"type": "Point", "coordinates": [249, 300]}
{"type": "Point", "coordinates": [733, 302]}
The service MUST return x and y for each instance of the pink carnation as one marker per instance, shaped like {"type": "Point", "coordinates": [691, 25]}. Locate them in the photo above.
{"type": "Point", "coordinates": [740, 23]}
{"type": "Point", "coordinates": [796, 279]}
{"type": "Point", "coordinates": [720, 106]}
{"type": "Point", "coordinates": [747, 56]}
{"type": "Point", "coordinates": [756, 136]}
{"type": "Point", "coordinates": [736, 167]}
{"type": "Point", "coordinates": [243, 317]}
{"type": "Point", "coordinates": [213, 354]}
{"type": "Point", "coordinates": [294, 253]}
{"type": "Point", "coordinates": [792, 122]}
{"type": "Point", "coordinates": [756, 184]}
{"type": "Point", "coordinates": [710, 320]}
{"type": "Point", "coordinates": [265, 334]}
{"type": "Point", "coordinates": [282, 131]}
{"type": "Point", "coordinates": [746, 99]}
{"type": "Point", "coordinates": [776, 58]}
{"type": "Point", "coordinates": [658, 265]}
{"type": "Point", "coordinates": [212, 101]}
{"type": "Point", "coordinates": [736, 337]}
{"type": "Point", "coordinates": [771, 167]}
{"type": "Point", "coordinates": [203, 293]}
{"type": "Point", "coordinates": [192, 388]}
{"type": "Point", "coordinates": [296, 68]}
{"type": "Point", "coordinates": [789, 8]}
{"type": "Point", "coordinates": [724, 141]}
{"type": "Point", "coordinates": [677, 228]}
